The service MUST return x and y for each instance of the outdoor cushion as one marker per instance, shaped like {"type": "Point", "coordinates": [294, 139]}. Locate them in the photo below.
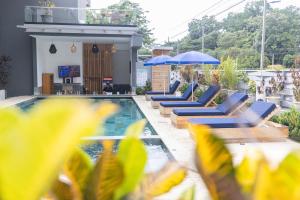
{"type": "Point", "coordinates": [198, 112]}
{"type": "Point", "coordinates": [181, 104]}
{"type": "Point", "coordinates": [184, 97]}
{"type": "Point", "coordinates": [250, 118]}
{"type": "Point", "coordinates": [172, 89]}
{"type": "Point", "coordinates": [202, 101]}
{"type": "Point", "coordinates": [167, 98]}
{"type": "Point", "coordinates": [258, 111]}
{"type": "Point", "coordinates": [208, 94]}
{"type": "Point", "coordinates": [222, 122]}
{"type": "Point", "coordinates": [223, 109]}
{"type": "Point", "coordinates": [232, 102]}
{"type": "Point", "coordinates": [189, 90]}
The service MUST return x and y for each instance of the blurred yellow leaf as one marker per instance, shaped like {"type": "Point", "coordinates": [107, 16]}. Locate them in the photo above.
{"type": "Point", "coordinates": [163, 181]}
{"type": "Point", "coordinates": [214, 163]}
{"type": "Point", "coordinates": [34, 145]}
{"type": "Point", "coordinates": [280, 183]}
{"type": "Point", "coordinates": [78, 168]}
{"type": "Point", "coordinates": [107, 176]}
{"type": "Point", "coordinates": [133, 156]}
{"type": "Point", "coordinates": [264, 184]}
{"type": "Point", "coordinates": [64, 191]}
{"type": "Point", "coordinates": [246, 172]}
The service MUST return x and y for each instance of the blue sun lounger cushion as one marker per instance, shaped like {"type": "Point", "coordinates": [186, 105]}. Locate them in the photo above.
{"type": "Point", "coordinates": [202, 100]}
{"type": "Point", "coordinates": [186, 95]}
{"type": "Point", "coordinates": [256, 113]}
{"type": "Point", "coordinates": [225, 108]}
{"type": "Point", "coordinates": [172, 89]}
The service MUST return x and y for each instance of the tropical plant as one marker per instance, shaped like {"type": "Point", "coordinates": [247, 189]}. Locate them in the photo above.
{"type": "Point", "coordinates": [117, 175]}
{"type": "Point", "coordinates": [183, 87]}
{"type": "Point", "coordinates": [40, 148]}
{"type": "Point", "coordinates": [290, 118]}
{"type": "Point", "coordinates": [296, 82]}
{"type": "Point", "coordinates": [46, 3]}
{"type": "Point", "coordinates": [4, 70]}
{"type": "Point", "coordinates": [253, 178]}
{"type": "Point", "coordinates": [277, 85]}
{"type": "Point", "coordinates": [34, 145]}
{"type": "Point", "coordinates": [143, 90]}
{"type": "Point", "coordinates": [252, 87]}
{"type": "Point", "coordinates": [243, 77]}
{"type": "Point", "coordinates": [187, 73]}
{"type": "Point", "coordinates": [229, 75]}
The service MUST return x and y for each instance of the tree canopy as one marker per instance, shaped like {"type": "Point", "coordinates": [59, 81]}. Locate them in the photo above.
{"type": "Point", "coordinates": [239, 35]}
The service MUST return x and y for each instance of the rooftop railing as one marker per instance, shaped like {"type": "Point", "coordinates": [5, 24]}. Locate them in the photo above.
{"type": "Point", "coordinates": [81, 16]}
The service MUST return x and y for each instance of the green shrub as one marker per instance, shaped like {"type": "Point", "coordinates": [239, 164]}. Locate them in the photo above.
{"type": "Point", "coordinates": [252, 87]}
{"type": "Point", "coordinates": [198, 93]}
{"type": "Point", "coordinates": [291, 119]}
{"type": "Point", "coordinates": [221, 98]}
{"type": "Point", "coordinates": [229, 75]}
{"type": "Point", "coordinates": [183, 87]}
{"type": "Point", "coordinates": [140, 91]}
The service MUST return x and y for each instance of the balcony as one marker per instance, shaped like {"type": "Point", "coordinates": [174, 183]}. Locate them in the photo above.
{"type": "Point", "coordinates": [79, 16]}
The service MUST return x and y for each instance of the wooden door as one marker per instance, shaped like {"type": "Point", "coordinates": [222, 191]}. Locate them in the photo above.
{"type": "Point", "coordinates": [96, 66]}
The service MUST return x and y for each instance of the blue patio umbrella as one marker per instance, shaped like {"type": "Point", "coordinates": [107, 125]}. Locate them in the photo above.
{"type": "Point", "coordinates": [193, 58]}
{"type": "Point", "coordinates": [158, 60]}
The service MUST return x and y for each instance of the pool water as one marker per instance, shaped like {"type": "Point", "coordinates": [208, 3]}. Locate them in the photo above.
{"type": "Point", "coordinates": [117, 124]}
{"type": "Point", "coordinates": [158, 154]}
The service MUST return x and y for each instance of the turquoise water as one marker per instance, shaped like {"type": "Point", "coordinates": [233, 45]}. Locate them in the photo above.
{"type": "Point", "coordinates": [117, 124]}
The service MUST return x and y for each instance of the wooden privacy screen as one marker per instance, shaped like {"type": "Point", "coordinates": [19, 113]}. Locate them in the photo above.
{"type": "Point", "coordinates": [96, 66]}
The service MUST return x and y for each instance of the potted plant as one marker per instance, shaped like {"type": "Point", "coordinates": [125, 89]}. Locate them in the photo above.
{"type": "Point", "coordinates": [296, 89]}
{"type": "Point", "coordinates": [243, 81]}
{"type": "Point", "coordinates": [4, 72]}
{"type": "Point", "coordinates": [46, 12]}
{"type": "Point", "coordinates": [276, 86]}
{"type": "Point", "coordinates": [252, 90]}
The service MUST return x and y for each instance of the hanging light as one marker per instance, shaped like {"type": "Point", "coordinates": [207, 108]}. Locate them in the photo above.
{"type": "Point", "coordinates": [52, 49]}
{"type": "Point", "coordinates": [95, 49]}
{"type": "Point", "coordinates": [114, 48]}
{"type": "Point", "coordinates": [73, 48]}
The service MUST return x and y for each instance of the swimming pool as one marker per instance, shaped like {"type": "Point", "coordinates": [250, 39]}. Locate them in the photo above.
{"type": "Point", "coordinates": [158, 154]}
{"type": "Point", "coordinates": [117, 124]}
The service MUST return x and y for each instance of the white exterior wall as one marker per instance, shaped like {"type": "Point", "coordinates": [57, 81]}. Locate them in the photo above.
{"type": "Point", "coordinates": [48, 63]}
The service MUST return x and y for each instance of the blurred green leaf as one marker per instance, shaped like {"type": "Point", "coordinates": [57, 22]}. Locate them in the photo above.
{"type": "Point", "coordinates": [106, 177]}
{"type": "Point", "coordinates": [34, 145]}
{"type": "Point", "coordinates": [133, 155]}
{"type": "Point", "coordinates": [189, 194]}
{"type": "Point", "coordinates": [214, 163]}
{"type": "Point", "coordinates": [78, 168]}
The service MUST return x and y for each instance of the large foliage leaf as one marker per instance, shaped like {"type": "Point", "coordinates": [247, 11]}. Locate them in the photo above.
{"type": "Point", "coordinates": [285, 179]}
{"type": "Point", "coordinates": [34, 145]}
{"type": "Point", "coordinates": [246, 172]}
{"type": "Point", "coordinates": [133, 155]}
{"type": "Point", "coordinates": [189, 194]}
{"type": "Point", "coordinates": [107, 176]}
{"type": "Point", "coordinates": [78, 168]}
{"type": "Point", "coordinates": [214, 163]}
{"type": "Point", "coordinates": [155, 184]}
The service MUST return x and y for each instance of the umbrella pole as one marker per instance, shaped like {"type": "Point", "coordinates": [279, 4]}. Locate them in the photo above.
{"type": "Point", "coordinates": [164, 86]}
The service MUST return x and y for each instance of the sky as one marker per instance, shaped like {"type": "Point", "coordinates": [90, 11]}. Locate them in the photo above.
{"type": "Point", "coordinates": [169, 18]}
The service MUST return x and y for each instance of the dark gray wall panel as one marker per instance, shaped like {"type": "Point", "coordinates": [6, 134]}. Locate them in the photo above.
{"type": "Point", "coordinates": [121, 73]}
{"type": "Point", "coordinates": [17, 44]}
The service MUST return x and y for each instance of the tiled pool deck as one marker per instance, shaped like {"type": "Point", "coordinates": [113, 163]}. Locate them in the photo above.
{"type": "Point", "coordinates": [181, 146]}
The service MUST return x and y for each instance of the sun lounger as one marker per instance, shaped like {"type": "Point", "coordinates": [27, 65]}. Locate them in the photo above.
{"type": "Point", "coordinates": [155, 100]}
{"type": "Point", "coordinates": [203, 101]}
{"type": "Point", "coordinates": [252, 125]}
{"type": "Point", "coordinates": [171, 91]}
{"type": "Point", "coordinates": [231, 105]}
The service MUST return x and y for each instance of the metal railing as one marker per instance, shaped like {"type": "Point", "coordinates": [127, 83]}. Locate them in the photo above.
{"type": "Point", "coordinates": [65, 15]}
